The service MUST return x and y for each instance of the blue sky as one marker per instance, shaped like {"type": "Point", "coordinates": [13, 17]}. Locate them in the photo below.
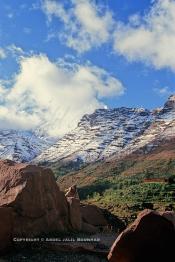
{"type": "Point", "coordinates": [125, 47]}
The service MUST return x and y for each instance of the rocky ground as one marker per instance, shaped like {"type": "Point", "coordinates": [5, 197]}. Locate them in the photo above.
{"type": "Point", "coordinates": [48, 256]}
{"type": "Point", "coordinates": [52, 251]}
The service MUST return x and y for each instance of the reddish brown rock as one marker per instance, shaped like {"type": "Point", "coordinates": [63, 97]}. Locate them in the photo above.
{"type": "Point", "coordinates": [150, 238]}
{"type": "Point", "coordinates": [170, 215]}
{"type": "Point", "coordinates": [72, 192]}
{"type": "Point", "coordinates": [93, 215]}
{"type": "Point", "coordinates": [35, 197]}
{"type": "Point", "coordinates": [74, 213]}
{"type": "Point", "coordinates": [6, 228]}
{"type": "Point", "coordinates": [87, 228]}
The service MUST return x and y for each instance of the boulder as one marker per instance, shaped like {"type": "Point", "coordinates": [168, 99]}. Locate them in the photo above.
{"type": "Point", "coordinates": [170, 215]}
{"type": "Point", "coordinates": [33, 194]}
{"type": "Point", "coordinates": [150, 238]}
{"type": "Point", "coordinates": [90, 229]}
{"type": "Point", "coordinates": [74, 213]}
{"type": "Point", "coordinates": [6, 228]}
{"type": "Point", "coordinates": [72, 192]}
{"type": "Point", "coordinates": [93, 215]}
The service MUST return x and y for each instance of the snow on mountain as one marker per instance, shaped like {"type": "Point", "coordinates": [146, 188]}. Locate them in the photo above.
{"type": "Point", "coordinates": [22, 146]}
{"type": "Point", "coordinates": [109, 132]}
{"type": "Point", "coordinates": [99, 135]}
{"type": "Point", "coordinates": [103, 134]}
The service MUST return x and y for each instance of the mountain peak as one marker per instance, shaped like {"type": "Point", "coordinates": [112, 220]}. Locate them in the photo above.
{"type": "Point", "coordinates": [171, 100]}
{"type": "Point", "coordinates": [169, 105]}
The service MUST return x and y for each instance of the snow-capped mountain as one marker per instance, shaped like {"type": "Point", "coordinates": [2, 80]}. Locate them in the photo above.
{"type": "Point", "coordinates": [109, 132]}
{"type": "Point", "coordinates": [22, 146]}
{"type": "Point", "coordinates": [101, 135]}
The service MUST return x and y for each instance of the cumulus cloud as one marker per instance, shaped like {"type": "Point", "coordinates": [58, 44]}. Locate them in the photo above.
{"type": "Point", "coordinates": [86, 25]}
{"type": "Point", "coordinates": [53, 95]}
{"type": "Point", "coordinates": [150, 39]}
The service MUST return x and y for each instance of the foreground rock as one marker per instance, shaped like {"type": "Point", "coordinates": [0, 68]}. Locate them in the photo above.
{"type": "Point", "coordinates": [31, 204]}
{"type": "Point", "coordinates": [72, 192]}
{"type": "Point", "coordinates": [38, 204]}
{"type": "Point", "coordinates": [75, 213]}
{"type": "Point", "coordinates": [150, 238]}
{"type": "Point", "coordinates": [170, 215]}
{"type": "Point", "coordinates": [6, 226]}
{"type": "Point", "coordinates": [93, 215]}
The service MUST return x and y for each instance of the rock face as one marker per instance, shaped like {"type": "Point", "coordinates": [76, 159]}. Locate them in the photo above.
{"type": "Point", "coordinates": [31, 203]}
{"type": "Point", "coordinates": [22, 146]}
{"type": "Point", "coordinates": [72, 192]}
{"type": "Point", "coordinates": [93, 215]}
{"type": "Point", "coordinates": [75, 213]}
{"type": "Point", "coordinates": [170, 215]}
{"type": "Point", "coordinates": [150, 238]}
{"type": "Point", "coordinates": [169, 105]}
{"type": "Point", "coordinates": [38, 204]}
{"type": "Point", "coordinates": [6, 228]}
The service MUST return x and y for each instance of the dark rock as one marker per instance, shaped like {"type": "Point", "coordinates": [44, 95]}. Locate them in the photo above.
{"type": "Point", "coordinates": [93, 215]}
{"type": "Point", "coordinates": [150, 238]}
{"type": "Point", "coordinates": [87, 228]}
{"type": "Point", "coordinates": [6, 228]}
{"type": "Point", "coordinates": [74, 213]}
{"type": "Point", "coordinates": [38, 204]}
{"type": "Point", "coordinates": [170, 215]}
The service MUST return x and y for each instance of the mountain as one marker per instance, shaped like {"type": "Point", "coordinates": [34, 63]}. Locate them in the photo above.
{"type": "Point", "coordinates": [105, 134]}
{"type": "Point", "coordinates": [109, 133]}
{"type": "Point", "coordinates": [22, 146]}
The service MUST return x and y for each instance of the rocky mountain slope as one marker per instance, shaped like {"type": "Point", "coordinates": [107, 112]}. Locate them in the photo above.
{"type": "Point", "coordinates": [22, 146]}
{"type": "Point", "coordinates": [111, 133]}
{"type": "Point", "coordinates": [104, 134]}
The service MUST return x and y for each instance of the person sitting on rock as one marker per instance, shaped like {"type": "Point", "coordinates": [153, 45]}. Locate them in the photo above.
{"type": "Point", "coordinates": [72, 192]}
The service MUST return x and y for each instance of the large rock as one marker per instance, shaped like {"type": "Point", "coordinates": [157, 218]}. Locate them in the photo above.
{"type": "Point", "coordinates": [170, 215]}
{"type": "Point", "coordinates": [6, 228]}
{"type": "Point", "coordinates": [90, 229]}
{"type": "Point", "coordinates": [150, 238]}
{"type": "Point", "coordinates": [38, 204]}
{"type": "Point", "coordinates": [72, 192]}
{"type": "Point", "coordinates": [93, 215]}
{"type": "Point", "coordinates": [74, 213]}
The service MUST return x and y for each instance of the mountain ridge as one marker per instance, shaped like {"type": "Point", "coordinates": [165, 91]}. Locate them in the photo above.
{"type": "Point", "coordinates": [109, 132]}
{"type": "Point", "coordinates": [98, 136]}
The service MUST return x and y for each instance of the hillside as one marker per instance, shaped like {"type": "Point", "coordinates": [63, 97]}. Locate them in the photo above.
{"type": "Point", "coordinates": [111, 133]}
{"type": "Point", "coordinates": [120, 185]}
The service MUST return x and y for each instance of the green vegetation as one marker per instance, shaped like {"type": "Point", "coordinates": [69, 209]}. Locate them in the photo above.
{"type": "Point", "coordinates": [125, 196]}
{"type": "Point", "coordinates": [124, 187]}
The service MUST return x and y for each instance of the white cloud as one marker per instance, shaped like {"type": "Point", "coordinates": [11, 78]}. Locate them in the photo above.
{"type": "Point", "coordinates": [150, 39]}
{"type": "Point", "coordinates": [2, 53]}
{"type": "Point", "coordinates": [163, 91]}
{"type": "Point", "coordinates": [11, 50]}
{"type": "Point", "coordinates": [48, 94]}
{"type": "Point", "coordinates": [86, 25]}
{"type": "Point", "coordinates": [15, 50]}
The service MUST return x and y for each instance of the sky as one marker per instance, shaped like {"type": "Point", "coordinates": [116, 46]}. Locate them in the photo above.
{"type": "Point", "coordinates": [61, 59]}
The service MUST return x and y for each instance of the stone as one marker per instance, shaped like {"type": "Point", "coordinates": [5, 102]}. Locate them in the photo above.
{"type": "Point", "coordinates": [6, 228]}
{"type": "Point", "coordinates": [87, 228]}
{"type": "Point", "coordinates": [72, 192]}
{"type": "Point", "coordinates": [150, 238]}
{"type": "Point", "coordinates": [93, 215]}
{"type": "Point", "coordinates": [74, 213]}
{"type": "Point", "coordinates": [38, 204]}
{"type": "Point", "coordinates": [170, 215]}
